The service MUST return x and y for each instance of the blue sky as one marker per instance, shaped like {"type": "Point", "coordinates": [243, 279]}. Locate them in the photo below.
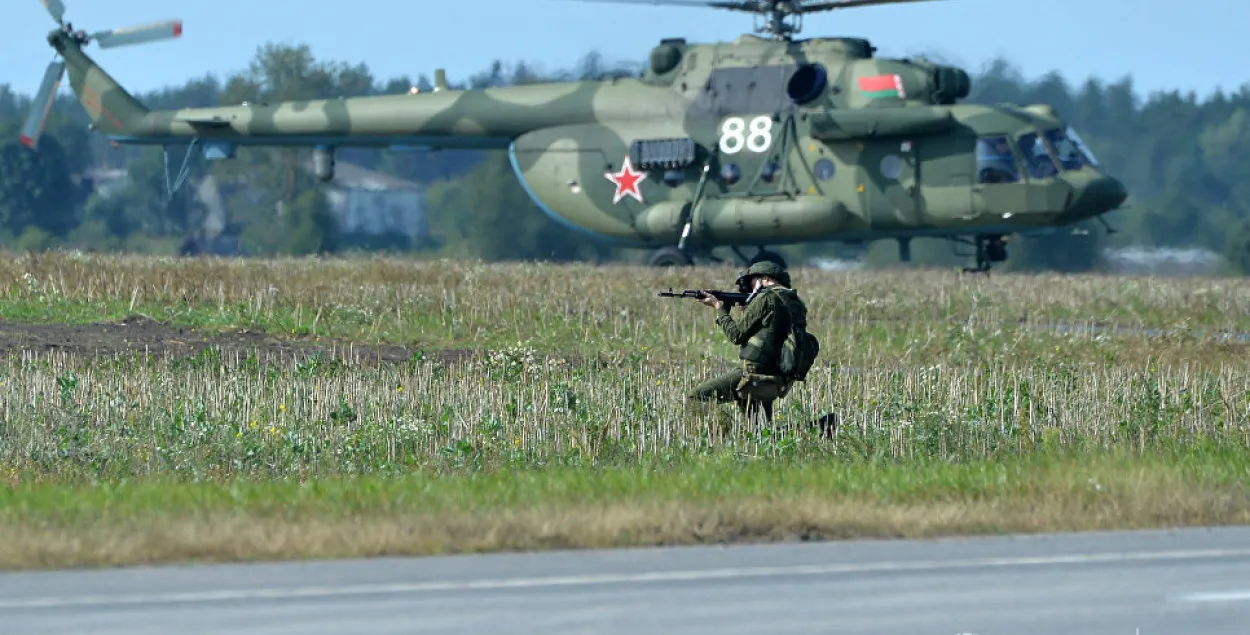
{"type": "Point", "coordinates": [1195, 45]}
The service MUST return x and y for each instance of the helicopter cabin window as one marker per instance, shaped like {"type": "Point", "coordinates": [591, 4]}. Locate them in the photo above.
{"type": "Point", "coordinates": [995, 163]}
{"type": "Point", "coordinates": [1037, 160]}
{"type": "Point", "coordinates": [1071, 154]}
{"type": "Point", "coordinates": [742, 91]}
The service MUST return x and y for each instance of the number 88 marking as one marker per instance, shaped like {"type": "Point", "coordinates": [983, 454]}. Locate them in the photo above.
{"type": "Point", "coordinates": [758, 135]}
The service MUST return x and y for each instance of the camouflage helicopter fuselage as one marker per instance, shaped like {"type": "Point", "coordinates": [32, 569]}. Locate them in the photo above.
{"type": "Point", "coordinates": [752, 142]}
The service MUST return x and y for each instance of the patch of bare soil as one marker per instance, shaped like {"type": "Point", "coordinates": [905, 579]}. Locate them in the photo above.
{"type": "Point", "coordinates": [137, 334]}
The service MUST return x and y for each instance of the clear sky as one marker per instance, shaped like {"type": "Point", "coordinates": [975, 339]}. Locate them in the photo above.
{"type": "Point", "coordinates": [1193, 45]}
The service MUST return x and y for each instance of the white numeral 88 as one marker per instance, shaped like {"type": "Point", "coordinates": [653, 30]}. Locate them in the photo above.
{"type": "Point", "coordinates": [758, 137]}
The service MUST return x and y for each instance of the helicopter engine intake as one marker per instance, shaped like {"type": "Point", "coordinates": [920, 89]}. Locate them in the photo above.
{"type": "Point", "coordinates": [950, 83]}
{"type": "Point", "coordinates": [807, 83]}
{"type": "Point", "coordinates": [945, 84]}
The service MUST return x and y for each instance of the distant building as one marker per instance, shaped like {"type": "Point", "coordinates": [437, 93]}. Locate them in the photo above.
{"type": "Point", "coordinates": [366, 204]}
{"type": "Point", "coordinates": [103, 181]}
{"type": "Point", "coordinates": [376, 204]}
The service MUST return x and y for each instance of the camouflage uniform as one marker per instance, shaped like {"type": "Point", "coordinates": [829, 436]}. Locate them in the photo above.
{"type": "Point", "coordinates": [759, 335]}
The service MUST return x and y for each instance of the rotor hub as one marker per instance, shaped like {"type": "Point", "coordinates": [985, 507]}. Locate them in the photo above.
{"type": "Point", "coordinates": [65, 38]}
{"type": "Point", "coordinates": [781, 18]}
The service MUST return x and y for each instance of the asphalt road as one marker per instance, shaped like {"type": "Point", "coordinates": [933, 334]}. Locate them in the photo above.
{"type": "Point", "coordinates": [1148, 583]}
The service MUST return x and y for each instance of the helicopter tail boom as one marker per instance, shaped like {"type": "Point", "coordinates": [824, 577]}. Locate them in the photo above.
{"type": "Point", "coordinates": [487, 118]}
{"type": "Point", "coordinates": [462, 119]}
{"type": "Point", "coordinates": [112, 110]}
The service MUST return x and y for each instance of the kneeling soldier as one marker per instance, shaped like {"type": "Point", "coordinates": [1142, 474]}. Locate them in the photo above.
{"type": "Point", "coordinates": [759, 334]}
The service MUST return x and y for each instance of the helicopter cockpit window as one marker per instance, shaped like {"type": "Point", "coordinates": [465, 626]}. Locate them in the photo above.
{"type": "Point", "coordinates": [1080, 145]}
{"type": "Point", "coordinates": [995, 163]}
{"type": "Point", "coordinates": [1070, 154]}
{"type": "Point", "coordinates": [747, 90]}
{"type": "Point", "coordinates": [1037, 159]}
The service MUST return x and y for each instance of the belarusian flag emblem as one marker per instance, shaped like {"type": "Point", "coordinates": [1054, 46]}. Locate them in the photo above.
{"type": "Point", "coordinates": [882, 86]}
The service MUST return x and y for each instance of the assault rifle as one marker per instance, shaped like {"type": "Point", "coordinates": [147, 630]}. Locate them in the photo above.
{"type": "Point", "coordinates": [730, 298]}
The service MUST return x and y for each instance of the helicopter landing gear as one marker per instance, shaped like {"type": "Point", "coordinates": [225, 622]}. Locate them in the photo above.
{"type": "Point", "coordinates": [770, 256]}
{"type": "Point", "coordinates": [990, 249]}
{"type": "Point", "coordinates": [671, 257]}
{"type": "Point", "coordinates": [677, 257]}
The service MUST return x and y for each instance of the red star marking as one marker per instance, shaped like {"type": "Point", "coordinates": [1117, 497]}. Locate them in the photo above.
{"type": "Point", "coordinates": [626, 182]}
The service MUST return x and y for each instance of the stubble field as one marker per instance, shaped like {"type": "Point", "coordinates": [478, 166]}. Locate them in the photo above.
{"type": "Point", "coordinates": [165, 409]}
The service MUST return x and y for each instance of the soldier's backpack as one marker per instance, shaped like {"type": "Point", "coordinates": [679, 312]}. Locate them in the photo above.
{"type": "Point", "coordinates": [799, 348]}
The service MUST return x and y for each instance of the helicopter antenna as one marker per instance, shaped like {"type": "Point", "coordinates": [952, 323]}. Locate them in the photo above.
{"type": "Point", "coordinates": [781, 18]}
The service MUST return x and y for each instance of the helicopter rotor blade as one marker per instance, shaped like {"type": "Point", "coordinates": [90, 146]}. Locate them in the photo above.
{"type": "Point", "coordinates": [812, 7]}
{"type": "Point", "coordinates": [41, 105]}
{"type": "Point", "coordinates": [138, 34]}
{"type": "Point", "coordinates": [739, 5]}
{"type": "Point", "coordinates": [764, 6]}
{"type": "Point", "coordinates": [56, 9]}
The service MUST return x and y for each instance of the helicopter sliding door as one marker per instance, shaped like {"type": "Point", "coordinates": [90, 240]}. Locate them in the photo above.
{"type": "Point", "coordinates": [891, 171]}
{"type": "Point", "coordinates": [945, 179]}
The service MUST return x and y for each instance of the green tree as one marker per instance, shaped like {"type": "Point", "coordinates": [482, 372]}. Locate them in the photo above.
{"type": "Point", "coordinates": [104, 227]}
{"type": "Point", "coordinates": [1237, 252]}
{"type": "Point", "coordinates": [36, 189]}
{"type": "Point", "coordinates": [309, 226]}
{"type": "Point", "coordinates": [149, 206]}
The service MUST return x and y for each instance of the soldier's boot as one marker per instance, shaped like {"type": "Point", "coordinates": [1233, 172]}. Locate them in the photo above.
{"type": "Point", "coordinates": [758, 413]}
{"type": "Point", "coordinates": [827, 424]}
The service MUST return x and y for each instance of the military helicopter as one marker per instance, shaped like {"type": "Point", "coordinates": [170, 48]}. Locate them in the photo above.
{"type": "Point", "coordinates": [763, 141]}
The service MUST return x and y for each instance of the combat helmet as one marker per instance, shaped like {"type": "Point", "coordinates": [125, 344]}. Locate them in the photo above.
{"type": "Point", "coordinates": [764, 268]}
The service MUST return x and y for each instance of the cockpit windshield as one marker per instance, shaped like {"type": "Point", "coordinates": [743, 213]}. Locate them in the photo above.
{"type": "Point", "coordinates": [1071, 153]}
{"type": "Point", "coordinates": [1080, 145]}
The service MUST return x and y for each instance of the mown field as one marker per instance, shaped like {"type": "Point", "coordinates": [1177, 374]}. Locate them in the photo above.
{"type": "Point", "coordinates": [162, 409]}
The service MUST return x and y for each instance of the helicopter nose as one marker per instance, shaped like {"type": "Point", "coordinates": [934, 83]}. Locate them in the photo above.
{"type": "Point", "coordinates": [1103, 194]}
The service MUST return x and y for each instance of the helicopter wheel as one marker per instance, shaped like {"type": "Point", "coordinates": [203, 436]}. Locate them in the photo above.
{"type": "Point", "coordinates": [671, 257]}
{"type": "Point", "coordinates": [990, 249]}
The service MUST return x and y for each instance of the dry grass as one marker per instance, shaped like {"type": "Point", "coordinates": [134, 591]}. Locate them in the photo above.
{"type": "Point", "coordinates": [586, 309]}
{"type": "Point", "coordinates": [929, 373]}
{"type": "Point", "coordinates": [66, 418]}
{"type": "Point", "coordinates": [699, 504]}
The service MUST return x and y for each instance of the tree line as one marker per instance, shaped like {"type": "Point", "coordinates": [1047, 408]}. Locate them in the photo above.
{"type": "Point", "coordinates": [1182, 158]}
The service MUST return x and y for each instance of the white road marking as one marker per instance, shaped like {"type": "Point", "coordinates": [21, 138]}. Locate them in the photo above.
{"type": "Point", "coordinates": [1217, 596]}
{"type": "Point", "coordinates": [624, 578]}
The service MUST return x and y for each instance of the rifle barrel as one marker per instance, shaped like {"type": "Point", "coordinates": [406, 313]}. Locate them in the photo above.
{"type": "Point", "coordinates": [725, 296]}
